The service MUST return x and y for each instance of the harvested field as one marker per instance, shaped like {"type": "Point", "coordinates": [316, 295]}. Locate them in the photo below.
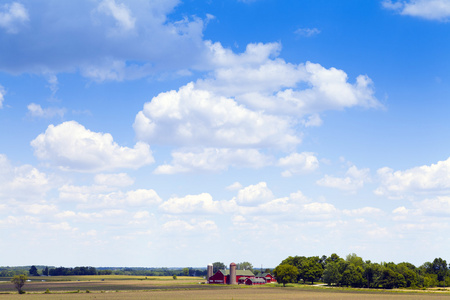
{"type": "Point", "coordinates": [239, 293]}
{"type": "Point", "coordinates": [189, 288]}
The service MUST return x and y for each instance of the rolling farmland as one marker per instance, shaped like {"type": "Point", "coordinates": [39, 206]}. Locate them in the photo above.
{"type": "Point", "coordinates": [138, 287]}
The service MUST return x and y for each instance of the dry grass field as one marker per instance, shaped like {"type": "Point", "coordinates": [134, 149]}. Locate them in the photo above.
{"type": "Point", "coordinates": [134, 287]}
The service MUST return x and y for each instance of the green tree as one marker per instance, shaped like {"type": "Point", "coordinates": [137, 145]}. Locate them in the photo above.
{"type": "Point", "coordinates": [186, 271]}
{"type": "Point", "coordinates": [33, 271]}
{"type": "Point", "coordinates": [295, 261]}
{"type": "Point", "coordinates": [218, 266]}
{"type": "Point", "coordinates": [439, 268]}
{"type": "Point", "coordinates": [389, 278]}
{"type": "Point", "coordinates": [245, 265]}
{"type": "Point", "coordinates": [331, 273]}
{"type": "Point", "coordinates": [285, 273]}
{"type": "Point", "coordinates": [19, 282]}
{"type": "Point", "coordinates": [311, 269]}
{"type": "Point", "coordinates": [45, 271]}
{"type": "Point", "coordinates": [355, 259]}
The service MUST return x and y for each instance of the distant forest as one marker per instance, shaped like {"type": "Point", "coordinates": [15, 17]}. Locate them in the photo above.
{"type": "Point", "coordinates": [40, 270]}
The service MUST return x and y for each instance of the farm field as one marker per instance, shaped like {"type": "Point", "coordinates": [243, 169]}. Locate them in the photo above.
{"type": "Point", "coordinates": [137, 287]}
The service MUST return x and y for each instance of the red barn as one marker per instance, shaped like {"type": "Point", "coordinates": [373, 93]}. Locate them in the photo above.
{"type": "Point", "coordinates": [223, 276]}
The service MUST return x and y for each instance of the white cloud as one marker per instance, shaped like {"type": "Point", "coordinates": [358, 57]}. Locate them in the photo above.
{"type": "Point", "coordinates": [103, 197]}
{"type": "Point", "coordinates": [2, 96]}
{"type": "Point", "coordinates": [251, 99]}
{"type": "Point", "coordinates": [23, 182]}
{"type": "Point", "coordinates": [427, 9]}
{"type": "Point", "coordinates": [253, 195]}
{"type": "Point", "coordinates": [212, 159]}
{"type": "Point", "coordinates": [193, 117]}
{"type": "Point", "coordinates": [13, 16]}
{"type": "Point", "coordinates": [70, 146]}
{"type": "Point", "coordinates": [119, 180]}
{"type": "Point", "coordinates": [120, 12]}
{"type": "Point", "coordinates": [439, 206]}
{"type": "Point", "coordinates": [35, 110]}
{"type": "Point", "coordinates": [126, 39]}
{"type": "Point", "coordinates": [142, 197]}
{"type": "Point", "coordinates": [298, 163]}
{"type": "Point", "coordinates": [307, 31]}
{"type": "Point", "coordinates": [313, 120]}
{"type": "Point", "coordinates": [433, 178]}
{"type": "Point", "coordinates": [189, 204]}
{"type": "Point", "coordinates": [234, 186]}
{"type": "Point", "coordinates": [262, 81]}
{"type": "Point", "coordinates": [354, 179]}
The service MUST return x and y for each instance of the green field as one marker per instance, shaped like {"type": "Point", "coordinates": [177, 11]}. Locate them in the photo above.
{"type": "Point", "coordinates": [140, 287]}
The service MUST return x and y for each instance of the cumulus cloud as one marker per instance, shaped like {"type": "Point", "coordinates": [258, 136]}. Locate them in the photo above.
{"type": "Point", "coordinates": [192, 117]}
{"type": "Point", "coordinates": [423, 179]}
{"type": "Point", "coordinates": [254, 194]}
{"type": "Point", "coordinates": [251, 100]}
{"type": "Point", "coordinates": [202, 203]}
{"type": "Point", "coordinates": [298, 163]}
{"type": "Point", "coordinates": [35, 110]}
{"type": "Point", "coordinates": [439, 206]}
{"type": "Point", "coordinates": [212, 159]}
{"type": "Point", "coordinates": [125, 39]}
{"type": "Point", "coordinates": [234, 186]}
{"type": "Point", "coordinates": [354, 179]}
{"type": "Point", "coordinates": [13, 16]}
{"type": "Point", "coordinates": [70, 146]}
{"type": "Point", "coordinates": [23, 183]}
{"type": "Point", "coordinates": [427, 9]}
{"type": "Point", "coordinates": [262, 81]}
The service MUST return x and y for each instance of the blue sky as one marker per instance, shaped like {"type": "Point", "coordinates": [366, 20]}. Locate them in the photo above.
{"type": "Point", "coordinates": [179, 133]}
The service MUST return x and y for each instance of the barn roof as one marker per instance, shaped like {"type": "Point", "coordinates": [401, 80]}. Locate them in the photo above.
{"type": "Point", "coordinates": [264, 275]}
{"type": "Point", "coordinates": [256, 280]}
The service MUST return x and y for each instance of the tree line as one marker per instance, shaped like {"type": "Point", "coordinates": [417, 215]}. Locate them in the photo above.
{"type": "Point", "coordinates": [353, 271]}
{"type": "Point", "coordinates": [62, 271]}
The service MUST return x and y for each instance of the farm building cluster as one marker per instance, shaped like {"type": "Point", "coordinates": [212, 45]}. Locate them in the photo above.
{"type": "Point", "coordinates": [233, 276]}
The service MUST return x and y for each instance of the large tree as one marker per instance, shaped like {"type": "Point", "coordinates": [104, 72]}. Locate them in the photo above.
{"type": "Point", "coordinates": [19, 282]}
{"type": "Point", "coordinates": [311, 269]}
{"type": "Point", "coordinates": [245, 265]}
{"type": "Point", "coordinates": [331, 273]}
{"type": "Point", "coordinates": [285, 273]}
{"type": "Point", "coordinates": [33, 271]}
{"type": "Point", "coordinates": [218, 266]}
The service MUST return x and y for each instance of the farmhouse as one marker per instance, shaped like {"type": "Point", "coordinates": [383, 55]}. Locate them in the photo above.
{"type": "Point", "coordinates": [234, 276]}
